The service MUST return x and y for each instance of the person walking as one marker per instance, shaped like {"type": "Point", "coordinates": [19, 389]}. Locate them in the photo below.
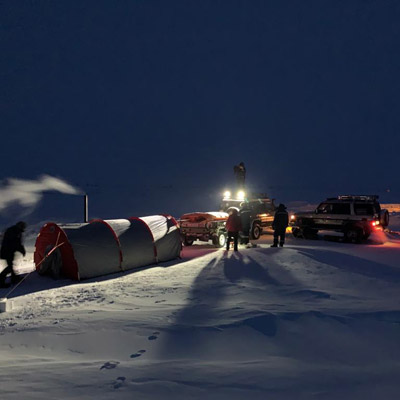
{"type": "Point", "coordinates": [279, 225]}
{"type": "Point", "coordinates": [233, 226]}
{"type": "Point", "coordinates": [12, 242]}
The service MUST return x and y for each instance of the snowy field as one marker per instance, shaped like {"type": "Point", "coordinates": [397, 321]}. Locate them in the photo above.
{"type": "Point", "coordinates": [315, 320]}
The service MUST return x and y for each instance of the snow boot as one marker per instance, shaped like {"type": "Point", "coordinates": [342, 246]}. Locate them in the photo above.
{"type": "Point", "coordinates": [274, 245]}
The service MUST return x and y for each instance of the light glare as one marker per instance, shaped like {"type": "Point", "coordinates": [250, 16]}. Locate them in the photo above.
{"type": "Point", "coordinates": [240, 195]}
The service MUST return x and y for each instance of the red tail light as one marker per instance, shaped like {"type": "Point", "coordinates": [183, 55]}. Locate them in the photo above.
{"type": "Point", "coordinates": [376, 225]}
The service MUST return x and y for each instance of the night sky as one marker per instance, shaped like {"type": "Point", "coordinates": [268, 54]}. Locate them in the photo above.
{"type": "Point", "coordinates": [147, 105]}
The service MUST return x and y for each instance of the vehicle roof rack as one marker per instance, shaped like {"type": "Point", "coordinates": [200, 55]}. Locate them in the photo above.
{"type": "Point", "coordinates": [363, 197]}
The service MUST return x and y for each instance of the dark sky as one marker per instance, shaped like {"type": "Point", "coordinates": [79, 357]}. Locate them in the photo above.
{"type": "Point", "coordinates": [161, 98]}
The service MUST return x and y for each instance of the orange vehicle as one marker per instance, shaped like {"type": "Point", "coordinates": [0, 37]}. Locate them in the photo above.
{"type": "Point", "coordinates": [204, 226]}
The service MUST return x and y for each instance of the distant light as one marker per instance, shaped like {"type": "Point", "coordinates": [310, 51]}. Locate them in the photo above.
{"type": "Point", "coordinates": [241, 195]}
{"type": "Point", "coordinates": [292, 217]}
{"type": "Point", "coordinates": [227, 194]}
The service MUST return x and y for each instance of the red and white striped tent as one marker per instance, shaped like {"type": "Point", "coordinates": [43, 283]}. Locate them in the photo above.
{"type": "Point", "coordinates": [103, 247]}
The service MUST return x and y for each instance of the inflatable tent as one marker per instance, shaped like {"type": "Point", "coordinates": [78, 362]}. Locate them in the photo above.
{"type": "Point", "coordinates": [100, 247]}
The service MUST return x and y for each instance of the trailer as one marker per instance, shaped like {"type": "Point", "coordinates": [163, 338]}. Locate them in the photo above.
{"type": "Point", "coordinates": [204, 226]}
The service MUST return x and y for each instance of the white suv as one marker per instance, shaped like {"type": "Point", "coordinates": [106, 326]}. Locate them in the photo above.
{"type": "Point", "coordinates": [356, 216]}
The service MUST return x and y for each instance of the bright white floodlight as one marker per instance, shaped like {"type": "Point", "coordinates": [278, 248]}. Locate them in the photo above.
{"type": "Point", "coordinates": [227, 194]}
{"type": "Point", "coordinates": [241, 195]}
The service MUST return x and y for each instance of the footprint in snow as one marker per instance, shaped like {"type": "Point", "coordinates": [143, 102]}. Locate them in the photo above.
{"type": "Point", "coordinates": [138, 354]}
{"type": "Point", "coordinates": [154, 336]}
{"type": "Point", "coordinates": [119, 382]}
{"type": "Point", "coordinates": [109, 365]}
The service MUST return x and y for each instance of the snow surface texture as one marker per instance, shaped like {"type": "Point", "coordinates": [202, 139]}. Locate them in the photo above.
{"type": "Point", "coordinates": [314, 320]}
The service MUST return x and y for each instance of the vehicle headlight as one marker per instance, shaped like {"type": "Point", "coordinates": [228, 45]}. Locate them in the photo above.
{"type": "Point", "coordinates": [241, 195]}
{"type": "Point", "coordinates": [227, 194]}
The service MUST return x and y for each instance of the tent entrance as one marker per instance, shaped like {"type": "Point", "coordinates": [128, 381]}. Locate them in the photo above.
{"type": "Point", "coordinates": [52, 265]}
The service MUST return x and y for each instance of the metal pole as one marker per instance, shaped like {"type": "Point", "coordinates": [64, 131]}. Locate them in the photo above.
{"type": "Point", "coordinates": [85, 208]}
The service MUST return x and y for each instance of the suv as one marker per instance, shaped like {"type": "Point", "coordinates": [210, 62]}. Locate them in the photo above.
{"type": "Point", "coordinates": [354, 216]}
{"type": "Point", "coordinates": [257, 213]}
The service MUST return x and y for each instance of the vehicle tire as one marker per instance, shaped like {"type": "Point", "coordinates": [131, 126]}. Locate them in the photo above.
{"type": "Point", "coordinates": [353, 234]}
{"type": "Point", "coordinates": [187, 241]}
{"type": "Point", "coordinates": [255, 231]}
{"type": "Point", "coordinates": [384, 218]}
{"type": "Point", "coordinates": [219, 240]}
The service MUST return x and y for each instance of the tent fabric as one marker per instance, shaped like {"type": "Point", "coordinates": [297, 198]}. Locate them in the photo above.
{"type": "Point", "coordinates": [52, 265]}
{"type": "Point", "coordinates": [170, 242]}
{"type": "Point", "coordinates": [136, 242]}
{"type": "Point", "coordinates": [107, 246]}
{"type": "Point", "coordinates": [49, 236]}
{"type": "Point", "coordinates": [96, 249]}
{"type": "Point", "coordinates": [157, 226]}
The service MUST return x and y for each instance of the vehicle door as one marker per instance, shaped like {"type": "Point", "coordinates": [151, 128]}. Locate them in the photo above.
{"type": "Point", "coordinates": [264, 214]}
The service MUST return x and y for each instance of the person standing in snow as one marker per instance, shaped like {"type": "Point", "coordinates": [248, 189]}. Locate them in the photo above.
{"type": "Point", "coordinates": [279, 225]}
{"type": "Point", "coordinates": [12, 242]}
{"type": "Point", "coordinates": [233, 226]}
{"type": "Point", "coordinates": [240, 175]}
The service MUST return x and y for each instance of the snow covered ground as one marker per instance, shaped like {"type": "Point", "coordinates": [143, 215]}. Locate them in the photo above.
{"type": "Point", "coordinates": [314, 320]}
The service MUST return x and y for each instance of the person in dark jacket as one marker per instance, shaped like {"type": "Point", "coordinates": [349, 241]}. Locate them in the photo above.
{"type": "Point", "coordinates": [240, 175]}
{"type": "Point", "coordinates": [233, 226]}
{"type": "Point", "coordinates": [12, 242]}
{"type": "Point", "coordinates": [281, 221]}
